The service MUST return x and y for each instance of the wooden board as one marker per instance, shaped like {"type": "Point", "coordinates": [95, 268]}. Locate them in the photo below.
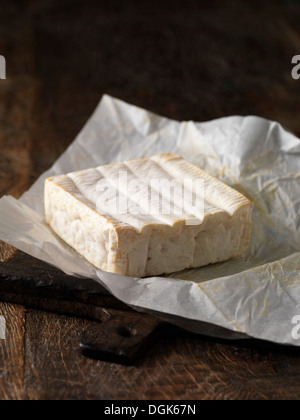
{"type": "Point", "coordinates": [28, 281]}
{"type": "Point", "coordinates": [120, 334]}
{"type": "Point", "coordinates": [187, 60]}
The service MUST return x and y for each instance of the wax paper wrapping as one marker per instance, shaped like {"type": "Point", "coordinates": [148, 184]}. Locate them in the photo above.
{"type": "Point", "coordinates": [257, 295]}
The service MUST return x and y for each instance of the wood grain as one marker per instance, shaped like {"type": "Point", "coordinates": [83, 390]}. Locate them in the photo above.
{"type": "Point", "coordinates": [12, 353]}
{"type": "Point", "coordinates": [16, 99]}
{"type": "Point", "coordinates": [187, 60]}
{"type": "Point", "coordinates": [17, 95]}
{"type": "Point", "coordinates": [179, 366]}
{"type": "Point", "coordinates": [6, 252]}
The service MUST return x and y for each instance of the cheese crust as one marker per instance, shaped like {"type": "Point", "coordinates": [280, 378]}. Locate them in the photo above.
{"type": "Point", "coordinates": [86, 210]}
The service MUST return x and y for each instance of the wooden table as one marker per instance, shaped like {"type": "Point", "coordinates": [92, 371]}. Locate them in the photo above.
{"type": "Point", "coordinates": [188, 60]}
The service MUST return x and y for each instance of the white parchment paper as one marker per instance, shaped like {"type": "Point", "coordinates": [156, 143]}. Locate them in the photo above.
{"type": "Point", "coordinates": [254, 296]}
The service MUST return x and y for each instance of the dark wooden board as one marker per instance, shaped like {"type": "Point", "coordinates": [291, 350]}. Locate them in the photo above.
{"type": "Point", "coordinates": [29, 281]}
{"type": "Point", "coordinates": [119, 334]}
{"type": "Point", "coordinates": [187, 60]}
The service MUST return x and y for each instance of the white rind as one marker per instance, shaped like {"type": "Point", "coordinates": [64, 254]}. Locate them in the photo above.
{"type": "Point", "coordinates": [147, 245]}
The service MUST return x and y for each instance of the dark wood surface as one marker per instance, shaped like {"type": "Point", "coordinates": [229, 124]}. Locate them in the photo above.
{"type": "Point", "coordinates": [186, 60]}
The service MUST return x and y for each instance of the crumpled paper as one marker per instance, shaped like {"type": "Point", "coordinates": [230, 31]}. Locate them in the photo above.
{"type": "Point", "coordinates": [257, 295]}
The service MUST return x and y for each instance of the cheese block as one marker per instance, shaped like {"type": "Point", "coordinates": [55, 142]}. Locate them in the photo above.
{"type": "Point", "coordinates": [148, 217]}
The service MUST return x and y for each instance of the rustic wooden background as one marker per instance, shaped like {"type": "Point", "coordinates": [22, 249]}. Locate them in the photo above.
{"type": "Point", "coordinates": [192, 59]}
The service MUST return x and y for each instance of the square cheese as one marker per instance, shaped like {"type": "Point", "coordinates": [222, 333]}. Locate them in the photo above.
{"type": "Point", "coordinates": [148, 217]}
